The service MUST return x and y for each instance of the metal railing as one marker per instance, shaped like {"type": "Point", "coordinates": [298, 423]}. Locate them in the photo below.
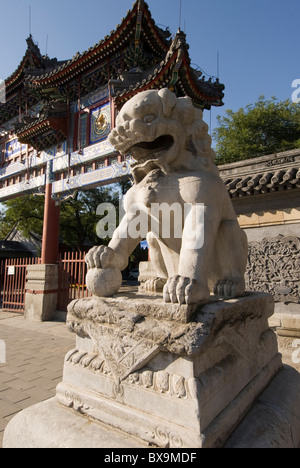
{"type": "Point", "coordinates": [15, 269]}
{"type": "Point", "coordinates": [72, 271]}
{"type": "Point", "coordinates": [71, 279]}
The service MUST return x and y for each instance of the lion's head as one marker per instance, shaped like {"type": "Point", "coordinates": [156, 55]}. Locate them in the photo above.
{"type": "Point", "coordinates": [162, 131]}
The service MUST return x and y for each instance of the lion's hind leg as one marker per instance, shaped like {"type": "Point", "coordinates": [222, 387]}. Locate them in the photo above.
{"type": "Point", "coordinates": [227, 279]}
{"type": "Point", "coordinates": [157, 283]}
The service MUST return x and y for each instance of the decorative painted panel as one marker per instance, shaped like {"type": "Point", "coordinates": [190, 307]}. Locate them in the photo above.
{"type": "Point", "coordinates": [12, 169]}
{"type": "Point", "coordinates": [82, 130]}
{"type": "Point", "coordinates": [13, 147]}
{"type": "Point", "coordinates": [90, 153]}
{"type": "Point", "coordinates": [90, 99]}
{"type": "Point", "coordinates": [274, 267]}
{"type": "Point", "coordinates": [22, 187]}
{"type": "Point", "coordinates": [100, 123]}
{"type": "Point", "coordinates": [34, 160]}
{"type": "Point", "coordinates": [87, 179]}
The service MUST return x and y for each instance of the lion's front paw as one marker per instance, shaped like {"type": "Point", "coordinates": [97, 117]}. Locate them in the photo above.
{"type": "Point", "coordinates": [183, 290]}
{"type": "Point", "coordinates": [101, 257]}
{"type": "Point", "coordinates": [229, 288]}
{"type": "Point", "coordinates": [154, 285]}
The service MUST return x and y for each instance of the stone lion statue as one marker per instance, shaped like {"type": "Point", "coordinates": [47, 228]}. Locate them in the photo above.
{"type": "Point", "coordinates": [173, 167]}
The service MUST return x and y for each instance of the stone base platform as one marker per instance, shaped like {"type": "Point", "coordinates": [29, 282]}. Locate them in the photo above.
{"type": "Point", "coordinates": [286, 322]}
{"type": "Point", "coordinates": [51, 425]}
{"type": "Point", "coordinates": [274, 419]}
{"type": "Point", "coordinates": [273, 422]}
{"type": "Point", "coordinates": [146, 373]}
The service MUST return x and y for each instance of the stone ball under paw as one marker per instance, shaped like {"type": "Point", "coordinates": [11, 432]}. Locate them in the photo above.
{"type": "Point", "coordinates": [104, 282]}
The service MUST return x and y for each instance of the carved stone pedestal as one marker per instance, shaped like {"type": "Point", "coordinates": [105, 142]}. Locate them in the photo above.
{"type": "Point", "coordinates": [41, 292]}
{"type": "Point", "coordinates": [162, 375]}
{"type": "Point", "coordinates": [286, 323]}
{"type": "Point", "coordinates": [174, 376]}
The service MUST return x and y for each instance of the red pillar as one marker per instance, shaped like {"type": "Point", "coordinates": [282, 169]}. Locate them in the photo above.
{"type": "Point", "coordinates": [50, 245]}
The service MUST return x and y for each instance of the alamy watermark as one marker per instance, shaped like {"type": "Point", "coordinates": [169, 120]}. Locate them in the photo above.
{"type": "Point", "coordinates": [296, 353]}
{"type": "Point", "coordinates": [2, 92]}
{"type": "Point", "coordinates": [2, 352]}
{"type": "Point", "coordinates": [296, 93]}
{"type": "Point", "coordinates": [165, 221]}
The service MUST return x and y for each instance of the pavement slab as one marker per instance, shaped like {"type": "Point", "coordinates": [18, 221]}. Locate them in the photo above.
{"type": "Point", "coordinates": [33, 364]}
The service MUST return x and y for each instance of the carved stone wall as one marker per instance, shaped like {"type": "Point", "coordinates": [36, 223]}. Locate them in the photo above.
{"type": "Point", "coordinates": [274, 267]}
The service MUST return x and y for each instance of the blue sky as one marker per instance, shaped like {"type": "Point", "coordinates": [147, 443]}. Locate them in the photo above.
{"type": "Point", "coordinates": [257, 40]}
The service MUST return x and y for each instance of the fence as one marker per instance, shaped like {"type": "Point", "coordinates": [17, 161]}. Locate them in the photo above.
{"type": "Point", "coordinates": [14, 271]}
{"type": "Point", "coordinates": [71, 279]}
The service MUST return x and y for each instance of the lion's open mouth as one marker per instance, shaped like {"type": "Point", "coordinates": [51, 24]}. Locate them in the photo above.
{"type": "Point", "coordinates": [145, 151]}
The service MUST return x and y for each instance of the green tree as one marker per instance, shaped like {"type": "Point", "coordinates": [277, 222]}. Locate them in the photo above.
{"type": "Point", "coordinates": [26, 213]}
{"type": "Point", "coordinates": [262, 128]}
{"type": "Point", "coordinates": [78, 218]}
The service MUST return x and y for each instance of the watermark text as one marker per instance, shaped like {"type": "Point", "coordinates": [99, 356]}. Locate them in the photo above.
{"type": "Point", "coordinates": [296, 93]}
{"type": "Point", "coordinates": [2, 352]}
{"type": "Point", "coordinates": [163, 220]}
{"type": "Point", "coordinates": [296, 353]}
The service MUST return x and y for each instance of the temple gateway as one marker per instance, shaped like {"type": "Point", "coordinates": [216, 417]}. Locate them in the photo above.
{"type": "Point", "coordinates": [57, 115]}
{"type": "Point", "coordinates": [54, 126]}
{"type": "Point", "coordinates": [182, 369]}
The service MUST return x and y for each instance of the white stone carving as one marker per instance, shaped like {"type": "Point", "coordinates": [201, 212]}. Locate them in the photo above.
{"type": "Point", "coordinates": [174, 164]}
{"type": "Point", "coordinates": [168, 381]}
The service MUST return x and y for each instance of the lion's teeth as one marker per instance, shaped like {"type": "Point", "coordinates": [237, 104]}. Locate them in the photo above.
{"type": "Point", "coordinates": [144, 160]}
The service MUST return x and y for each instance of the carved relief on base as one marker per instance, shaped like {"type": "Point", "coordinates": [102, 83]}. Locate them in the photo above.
{"type": "Point", "coordinates": [170, 383]}
{"type": "Point", "coordinates": [149, 429]}
{"type": "Point", "coordinates": [161, 382]}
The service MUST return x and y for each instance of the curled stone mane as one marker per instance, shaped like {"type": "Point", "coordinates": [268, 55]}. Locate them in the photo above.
{"type": "Point", "coordinates": [162, 131]}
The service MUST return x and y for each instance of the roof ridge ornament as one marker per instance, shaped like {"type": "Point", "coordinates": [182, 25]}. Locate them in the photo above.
{"type": "Point", "coordinates": [32, 46]}
{"type": "Point", "coordinates": [138, 29]}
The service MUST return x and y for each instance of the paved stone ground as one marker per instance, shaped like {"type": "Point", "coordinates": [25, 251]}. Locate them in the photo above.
{"type": "Point", "coordinates": [33, 363]}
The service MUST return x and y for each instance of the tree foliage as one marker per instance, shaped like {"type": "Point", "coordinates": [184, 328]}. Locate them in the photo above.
{"type": "Point", "coordinates": [26, 213]}
{"type": "Point", "coordinates": [78, 218]}
{"type": "Point", "coordinates": [266, 127]}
